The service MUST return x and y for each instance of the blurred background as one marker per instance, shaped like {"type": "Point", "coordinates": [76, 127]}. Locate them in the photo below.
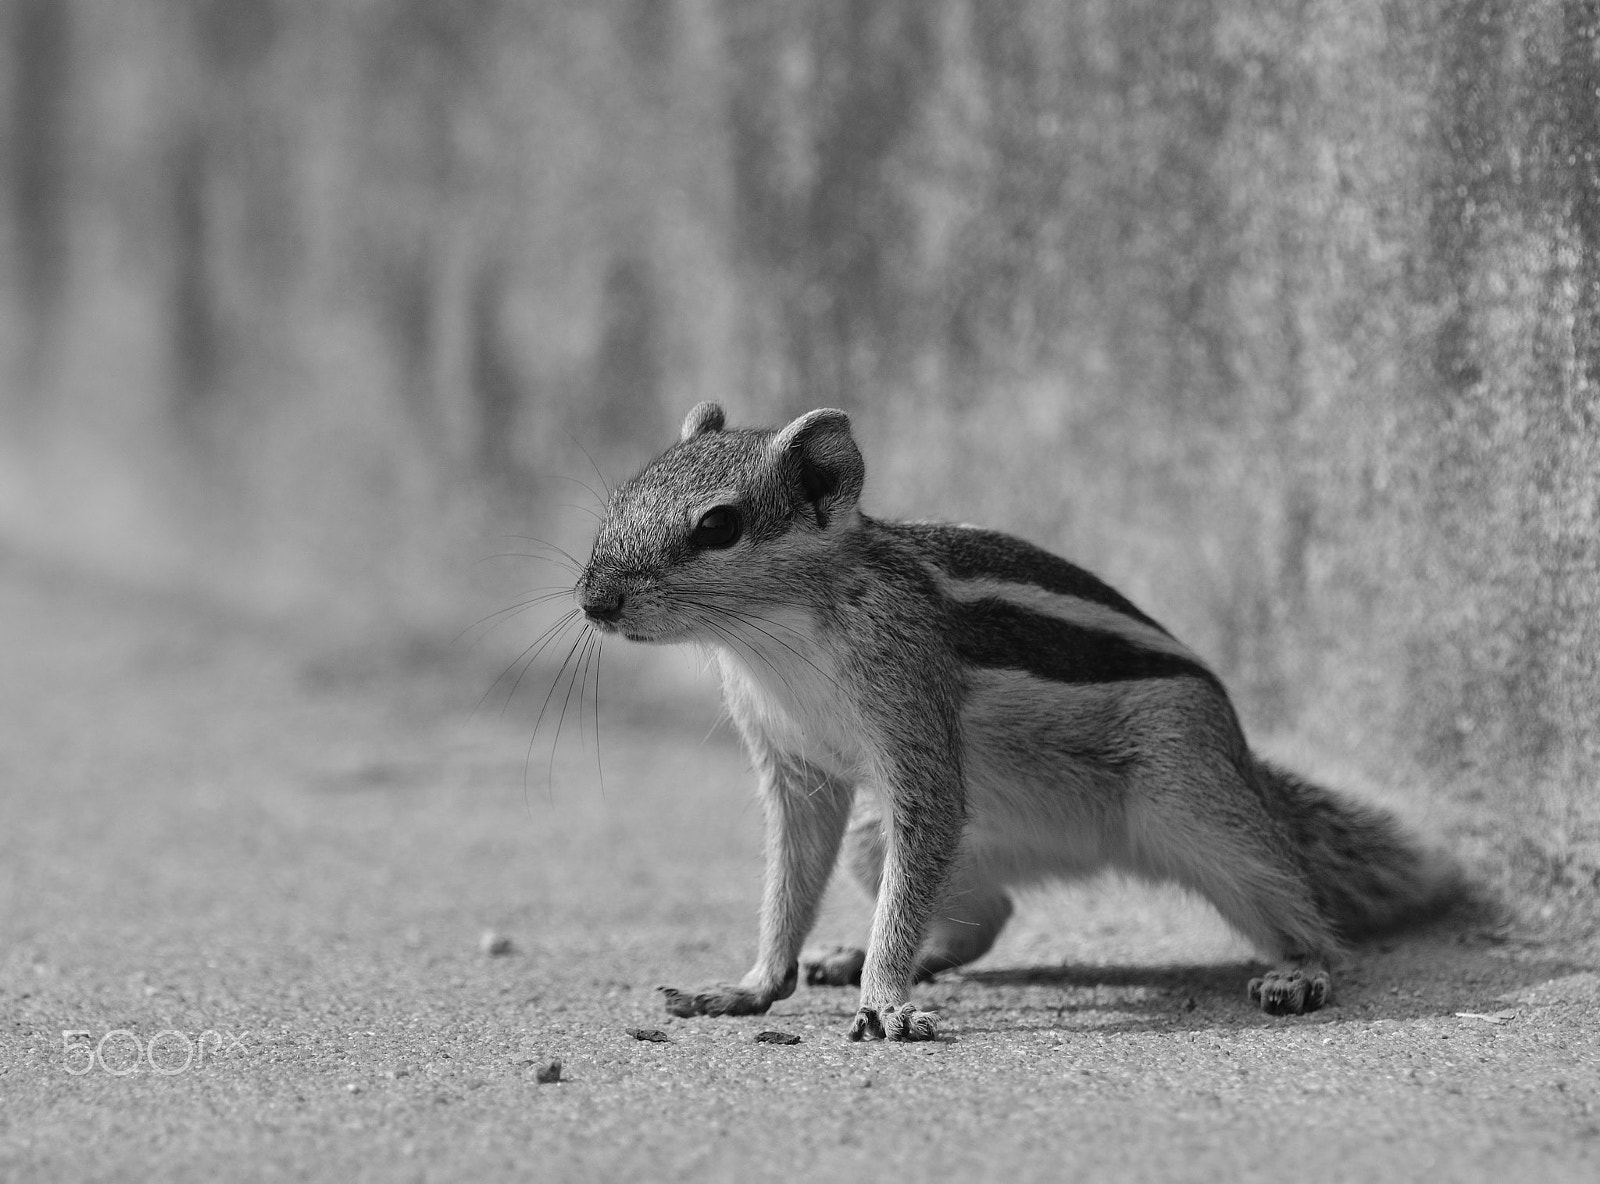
{"type": "Point", "coordinates": [1282, 316]}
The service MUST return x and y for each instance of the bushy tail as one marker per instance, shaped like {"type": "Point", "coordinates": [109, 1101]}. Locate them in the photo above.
{"type": "Point", "coordinates": [1369, 876]}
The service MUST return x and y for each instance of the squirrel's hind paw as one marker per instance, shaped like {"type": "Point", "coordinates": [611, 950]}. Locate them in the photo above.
{"type": "Point", "coordinates": [893, 1023]}
{"type": "Point", "coordinates": [838, 967]}
{"type": "Point", "coordinates": [1292, 990]}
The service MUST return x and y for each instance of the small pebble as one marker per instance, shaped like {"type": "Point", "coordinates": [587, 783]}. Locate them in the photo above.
{"type": "Point", "coordinates": [550, 1074]}
{"type": "Point", "coordinates": [777, 1038]}
{"type": "Point", "coordinates": [653, 1035]}
{"type": "Point", "coordinates": [494, 944]}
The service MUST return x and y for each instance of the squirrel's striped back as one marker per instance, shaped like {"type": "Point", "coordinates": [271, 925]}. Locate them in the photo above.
{"type": "Point", "coordinates": [1016, 606]}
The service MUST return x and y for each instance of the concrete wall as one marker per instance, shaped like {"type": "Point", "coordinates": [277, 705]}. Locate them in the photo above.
{"type": "Point", "coordinates": [1284, 316]}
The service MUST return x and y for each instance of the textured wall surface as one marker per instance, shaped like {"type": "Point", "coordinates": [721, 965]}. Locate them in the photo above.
{"type": "Point", "coordinates": [1284, 316]}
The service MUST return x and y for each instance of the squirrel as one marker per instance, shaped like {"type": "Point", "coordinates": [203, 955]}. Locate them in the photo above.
{"type": "Point", "coordinates": [964, 713]}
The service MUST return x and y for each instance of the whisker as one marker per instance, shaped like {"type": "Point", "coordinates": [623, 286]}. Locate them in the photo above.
{"type": "Point", "coordinates": [599, 648]}
{"type": "Point", "coordinates": [751, 620]}
{"type": "Point", "coordinates": [538, 542]}
{"type": "Point", "coordinates": [755, 652]}
{"type": "Point", "coordinates": [581, 484]}
{"type": "Point", "coordinates": [586, 658]}
{"type": "Point", "coordinates": [592, 465]}
{"type": "Point", "coordinates": [531, 653]}
{"type": "Point", "coordinates": [752, 617]}
{"type": "Point", "coordinates": [566, 622]}
{"type": "Point", "coordinates": [561, 563]}
{"type": "Point", "coordinates": [595, 514]}
{"type": "Point", "coordinates": [740, 646]}
{"type": "Point", "coordinates": [580, 670]}
{"type": "Point", "coordinates": [545, 706]}
{"type": "Point", "coordinates": [545, 595]}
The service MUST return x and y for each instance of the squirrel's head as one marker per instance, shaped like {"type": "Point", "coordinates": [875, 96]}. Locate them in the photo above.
{"type": "Point", "coordinates": [720, 524]}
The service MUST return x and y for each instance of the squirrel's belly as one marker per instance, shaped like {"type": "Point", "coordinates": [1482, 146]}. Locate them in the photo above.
{"type": "Point", "coordinates": [1046, 767]}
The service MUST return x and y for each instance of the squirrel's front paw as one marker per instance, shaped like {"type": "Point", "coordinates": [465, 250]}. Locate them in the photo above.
{"type": "Point", "coordinates": [893, 1023]}
{"type": "Point", "coordinates": [716, 999]}
{"type": "Point", "coordinates": [1291, 990]}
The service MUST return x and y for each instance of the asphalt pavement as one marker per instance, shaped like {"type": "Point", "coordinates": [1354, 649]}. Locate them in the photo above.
{"type": "Point", "coordinates": [280, 906]}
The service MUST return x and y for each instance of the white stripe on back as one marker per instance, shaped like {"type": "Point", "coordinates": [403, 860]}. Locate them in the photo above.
{"type": "Point", "coordinates": [1075, 610]}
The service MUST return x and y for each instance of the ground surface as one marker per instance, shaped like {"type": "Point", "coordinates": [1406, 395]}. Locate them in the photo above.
{"type": "Point", "coordinates": [269, 866]}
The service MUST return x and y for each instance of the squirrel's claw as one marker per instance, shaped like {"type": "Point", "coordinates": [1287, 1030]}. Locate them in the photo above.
{"type": "Point", "coordinates": [1291, 990]}
{"type": "Point", "coordinates": [904, 1023]}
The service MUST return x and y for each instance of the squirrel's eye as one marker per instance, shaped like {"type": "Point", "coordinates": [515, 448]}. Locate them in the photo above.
{"type": "Point", "coordinates": [718, 527]}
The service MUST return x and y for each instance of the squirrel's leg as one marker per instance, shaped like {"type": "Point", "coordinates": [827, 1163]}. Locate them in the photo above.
{"type": "Point", "coordinates": [961, 930]}
{"type": "Point", "coordinates": [1212, 834]}
{"type": "Point", "coordinates": [923, 827]}
{"type": "Point", "coordinates": [862, 857]}
{"type": "Point", "coordinates": [806, 810]}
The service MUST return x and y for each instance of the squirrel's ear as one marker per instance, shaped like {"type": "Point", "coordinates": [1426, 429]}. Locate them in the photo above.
{"type": "Point", "coordinates": [819, 455]}
{"type": "Point", "coordinates": [702, 417]}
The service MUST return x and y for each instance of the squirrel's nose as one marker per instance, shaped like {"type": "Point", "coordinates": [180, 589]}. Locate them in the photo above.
{"type": "Point", "coordinates": [602, 603]}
